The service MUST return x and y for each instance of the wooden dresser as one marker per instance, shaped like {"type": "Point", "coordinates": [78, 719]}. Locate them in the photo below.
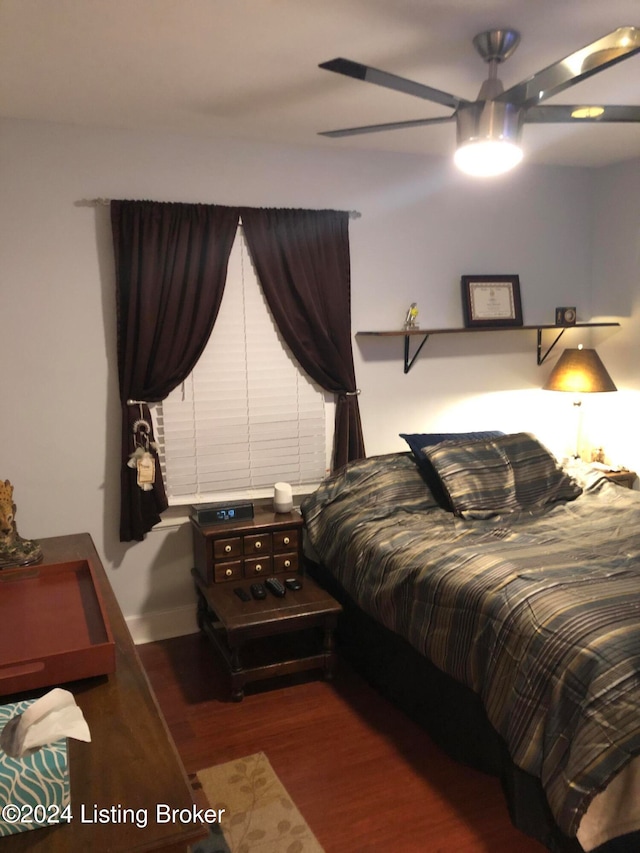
{"type": "Point", "coordinates": [131, 762]}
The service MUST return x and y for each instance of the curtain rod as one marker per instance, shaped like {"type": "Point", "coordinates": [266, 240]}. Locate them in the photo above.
{"type": "Point", "coordinates": [94, 202]}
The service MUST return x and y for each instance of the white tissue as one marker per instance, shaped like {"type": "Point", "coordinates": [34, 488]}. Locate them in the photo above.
{"type": "Point", "coordinates": [54, 716]}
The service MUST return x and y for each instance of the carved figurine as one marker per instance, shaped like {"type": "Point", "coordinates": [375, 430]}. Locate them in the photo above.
{"type": "Point", "coordinates": [14, 550]}
{"type": "Point", "coordinates": [411, 320]}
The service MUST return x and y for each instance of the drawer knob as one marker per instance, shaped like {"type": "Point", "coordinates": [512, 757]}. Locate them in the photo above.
{"type": "Point", "coordinates": [286, 540]}
{"type": "Point", "coordinates": [258, 568]}
{"type": "Point", "coordinates": [229, 572]}
{"type": "Point", "coordinates": [287, 564]}
{"type": "Point", "coordinates": [227, 549]}
{"type": "Point", "coordinates": [258, 545]}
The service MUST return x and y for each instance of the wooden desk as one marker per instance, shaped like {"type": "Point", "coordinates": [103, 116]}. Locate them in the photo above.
{"type": "Point", "coordinates": [132, 761]}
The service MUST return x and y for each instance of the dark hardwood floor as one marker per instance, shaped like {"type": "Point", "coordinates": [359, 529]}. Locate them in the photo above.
{"type": "Point", "coordinates": [365, 777]}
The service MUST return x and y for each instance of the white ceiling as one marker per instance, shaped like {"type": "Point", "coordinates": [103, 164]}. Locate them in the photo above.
{"type": "Point", "coordinates": [249, 68]}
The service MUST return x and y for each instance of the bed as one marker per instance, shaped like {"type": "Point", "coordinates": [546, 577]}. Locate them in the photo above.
{"type": "Point", "coordinates": [496, 597]}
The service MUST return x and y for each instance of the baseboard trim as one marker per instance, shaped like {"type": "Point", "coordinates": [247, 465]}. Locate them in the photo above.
{"type": "Point", "coordinates": [163, 625]}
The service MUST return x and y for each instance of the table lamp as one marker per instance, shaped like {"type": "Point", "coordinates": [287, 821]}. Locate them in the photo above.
{"type": "Point", "coordinates": [582, 372]}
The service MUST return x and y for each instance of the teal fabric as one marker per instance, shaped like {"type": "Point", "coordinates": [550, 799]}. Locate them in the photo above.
{"type": "Point", "coordinates": [38, 780]}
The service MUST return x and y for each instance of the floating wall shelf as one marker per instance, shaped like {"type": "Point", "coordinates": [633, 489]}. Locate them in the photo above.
{"type": "Point", "coordinates": [407, 334]}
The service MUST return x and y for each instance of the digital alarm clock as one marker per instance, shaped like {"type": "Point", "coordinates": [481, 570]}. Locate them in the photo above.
{"type": "Point", "coordinates": [219, 513]}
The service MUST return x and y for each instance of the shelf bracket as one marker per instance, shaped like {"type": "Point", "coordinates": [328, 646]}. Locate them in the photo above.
{"type": "Point", "coordinates": [408, 363]}
{"type": "Point", "coordinates": [540, 357]}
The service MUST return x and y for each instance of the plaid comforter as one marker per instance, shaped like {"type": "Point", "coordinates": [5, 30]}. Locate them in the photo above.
{"type": "Point", "coordinates": [538, 613]}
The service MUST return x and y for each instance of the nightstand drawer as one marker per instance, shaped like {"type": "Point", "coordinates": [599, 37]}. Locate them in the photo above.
{"type": "Point", "coordinates": [257, 544]}
{"type": "Point", "coordinates": [248, 548]}
{"type": "Point", "coordinates": [256, 566]}
{"type": "Point", "coordinates": [227, 548]}
{"type": "Point", "coordinates": [230, 571]}
{"type": "Point", "coordinates": [286, 562]}
{"type": "Point", "coordinates": [285, 540]}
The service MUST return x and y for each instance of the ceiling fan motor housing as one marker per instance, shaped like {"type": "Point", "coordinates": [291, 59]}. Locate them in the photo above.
{"type": "Point", "coordinates": [489, 120]}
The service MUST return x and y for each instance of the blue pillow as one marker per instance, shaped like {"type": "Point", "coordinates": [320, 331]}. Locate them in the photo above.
{"type": "Point", "coordinates": [418, 440]}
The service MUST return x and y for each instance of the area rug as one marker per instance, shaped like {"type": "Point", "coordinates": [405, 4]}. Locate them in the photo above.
{"type": "Point", "coordinates": [259, 814]}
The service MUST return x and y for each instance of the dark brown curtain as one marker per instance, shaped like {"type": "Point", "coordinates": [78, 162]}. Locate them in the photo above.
{"type": "Point", "coordinates": [302, 261]}
{"type": "Point", "coordinates": [171, 265]}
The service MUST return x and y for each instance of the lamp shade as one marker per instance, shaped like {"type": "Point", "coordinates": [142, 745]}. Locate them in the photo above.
{"type": "Point", "coordinates": [581, 371]}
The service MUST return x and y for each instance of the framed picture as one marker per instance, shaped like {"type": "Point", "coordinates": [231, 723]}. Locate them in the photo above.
{"type": "Point", "coordinates": [491, 300]}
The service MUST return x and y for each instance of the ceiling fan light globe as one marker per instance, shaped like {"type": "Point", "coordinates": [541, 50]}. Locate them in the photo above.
{"type": "Point", "coordinates": [587, 112]}
{"type": "Point", "coordinates": [485, 158]}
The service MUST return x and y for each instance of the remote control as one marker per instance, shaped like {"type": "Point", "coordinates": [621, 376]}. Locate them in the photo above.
{"type": "Point", "coordinates": [275, 586]}
{"type": "Point", "coordinates": [242, 594]}
{"type": "Point", "coordinates": [293, 583]}
{"type": "Point", "coordinates": [258, 591]}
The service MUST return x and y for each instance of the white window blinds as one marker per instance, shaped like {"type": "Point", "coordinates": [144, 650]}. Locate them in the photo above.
{"type": "Point", "coordinates": [247, 416]}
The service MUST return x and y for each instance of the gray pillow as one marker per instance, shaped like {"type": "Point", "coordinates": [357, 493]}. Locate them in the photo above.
{"type": "Point", "coordinates": [477, 477]}
{"type": "Point", "coordinates": [419, 441]}
{"type": "Point", "coordinates": [500, 475]}
{"type": "Point", "coordinates": [539, 478]}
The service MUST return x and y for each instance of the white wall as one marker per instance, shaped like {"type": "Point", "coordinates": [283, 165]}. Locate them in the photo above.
{"type": "Point", "coordinates": [422, 227]}
{"type": "Point", "coordinates": [616, 286]}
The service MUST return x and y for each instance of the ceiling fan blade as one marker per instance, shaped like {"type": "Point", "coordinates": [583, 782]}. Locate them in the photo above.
{"type": "Point", "coordinates": [548, 113]}
{"type": "Point", "coordinates": [394, 125]}
{"type": "Point", "coordinates": [603, 53]}
{"type": "Point", "coordinates": [391, 81]}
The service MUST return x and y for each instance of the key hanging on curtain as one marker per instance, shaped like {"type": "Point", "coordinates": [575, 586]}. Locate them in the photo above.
{"type": "Point", "coordinates": [141, 459]}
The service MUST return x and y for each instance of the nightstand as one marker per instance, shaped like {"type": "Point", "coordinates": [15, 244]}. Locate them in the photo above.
{"type": "Point", "coordinates": [260, 639]}
{"type": "Point", "coordinates": [622, 478]}
{"type": "Point", "coordinates": [272, 637]}
{"type": "Point", "coordinates": [269, 543]}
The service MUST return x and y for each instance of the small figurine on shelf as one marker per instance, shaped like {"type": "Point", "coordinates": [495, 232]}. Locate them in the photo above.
{"type": "Point", "coordinates": [411, 320]}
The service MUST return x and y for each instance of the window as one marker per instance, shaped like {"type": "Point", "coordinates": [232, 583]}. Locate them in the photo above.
{"type": "Point", "coordinates": [247, 416]}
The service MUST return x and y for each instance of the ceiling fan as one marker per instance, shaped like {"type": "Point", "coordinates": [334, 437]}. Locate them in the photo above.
{"type": "Point", "coordinates": [489, 128]}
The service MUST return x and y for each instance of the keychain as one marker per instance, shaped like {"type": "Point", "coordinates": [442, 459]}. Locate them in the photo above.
{"type": "Point", "coordinates": [141, 459]}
